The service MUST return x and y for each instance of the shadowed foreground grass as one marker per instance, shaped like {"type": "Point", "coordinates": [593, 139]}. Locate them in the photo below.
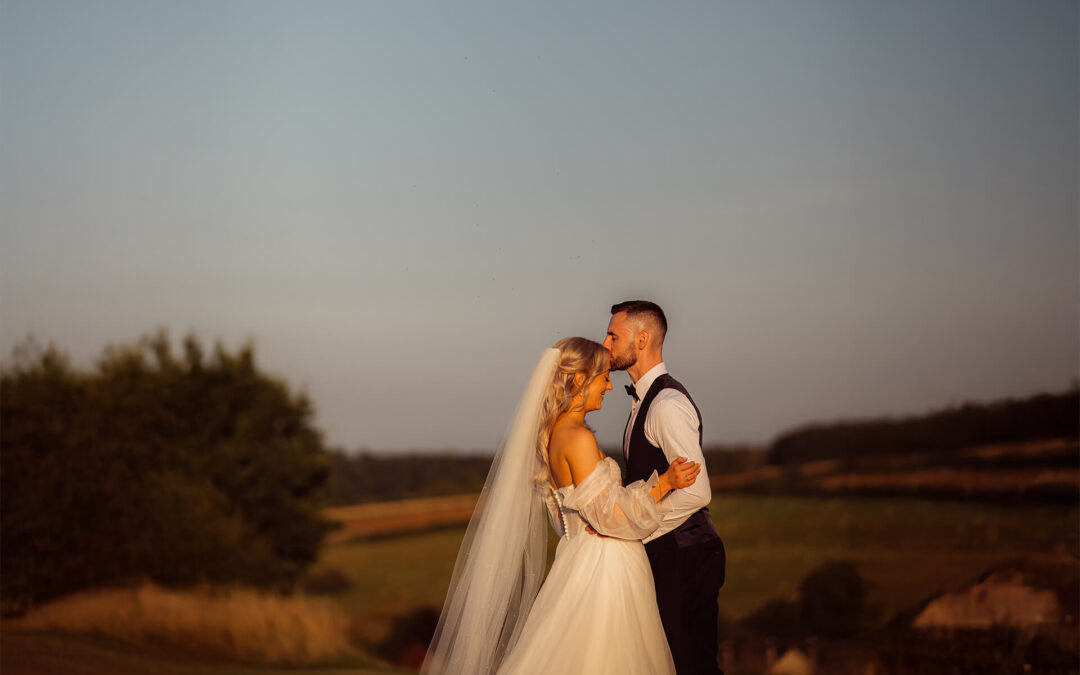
{"type": "Point", "coordinates": [35, 653]}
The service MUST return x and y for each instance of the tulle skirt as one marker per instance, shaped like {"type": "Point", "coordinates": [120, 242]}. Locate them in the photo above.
{"type": "Point", "coordinates": [596, 613]}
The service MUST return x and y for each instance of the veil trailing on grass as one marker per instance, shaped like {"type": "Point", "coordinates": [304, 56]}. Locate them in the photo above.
{"type": "Point", "coordinates": [501, 562]}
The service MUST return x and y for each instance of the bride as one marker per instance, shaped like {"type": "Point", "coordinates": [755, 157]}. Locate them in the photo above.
{"type": "Point", "coordinates": [596, 612]}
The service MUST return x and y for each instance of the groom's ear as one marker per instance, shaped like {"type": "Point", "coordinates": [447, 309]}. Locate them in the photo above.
{"type": "Point", "coordinates": [642, 339]}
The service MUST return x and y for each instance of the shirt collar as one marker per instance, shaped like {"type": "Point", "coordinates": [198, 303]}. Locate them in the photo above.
{"type": "Point", "coordinates": [646, 380]}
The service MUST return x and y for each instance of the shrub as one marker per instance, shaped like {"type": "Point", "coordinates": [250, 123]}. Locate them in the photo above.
{"type": "Point", "coordinates": [327, 582]}
{"type": "Point", "coordinates": [178, 469]}
{"type": "Point", "coordinates": [832, 602]}
{"type": "Point", "coordinates": [409, 637]}
{"type": "Point", "coordinates": [776, 618]}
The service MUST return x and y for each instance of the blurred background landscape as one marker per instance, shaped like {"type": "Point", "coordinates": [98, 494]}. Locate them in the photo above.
{"type": "Point", "coordinates": [272, 275]}
{"type": "Point", "coordinates": [178, 509]}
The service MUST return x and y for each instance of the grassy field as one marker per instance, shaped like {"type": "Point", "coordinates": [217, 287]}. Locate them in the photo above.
{"type": "Point", "coordinates": [907, 549]}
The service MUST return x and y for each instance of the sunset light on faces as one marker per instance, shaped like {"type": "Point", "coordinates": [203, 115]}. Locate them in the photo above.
{"type": "Point", "coordinates": [620, 341]}
{"type": "Point", "coordinates": [600, 385]}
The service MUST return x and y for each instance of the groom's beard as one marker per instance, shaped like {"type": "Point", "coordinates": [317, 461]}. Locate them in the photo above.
{"type": "Point", "coordinates": [624, 360]}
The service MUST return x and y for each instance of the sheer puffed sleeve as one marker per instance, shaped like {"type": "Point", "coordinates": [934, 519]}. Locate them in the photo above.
{"type": "Point", "coordinates": [613, 510]}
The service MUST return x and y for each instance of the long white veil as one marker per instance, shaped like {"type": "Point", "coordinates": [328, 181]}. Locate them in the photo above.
{"type": "Point", "coordinates": [501, 562]}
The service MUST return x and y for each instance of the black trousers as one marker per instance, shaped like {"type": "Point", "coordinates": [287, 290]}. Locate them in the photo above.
{"type": "Point", "coordinates": [687, 583]}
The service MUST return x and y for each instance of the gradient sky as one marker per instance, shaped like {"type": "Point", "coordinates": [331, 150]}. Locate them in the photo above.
{"type": "Point", "coordinates": [847, 209]}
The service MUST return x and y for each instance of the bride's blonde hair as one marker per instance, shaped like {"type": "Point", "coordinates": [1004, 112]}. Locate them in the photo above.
{"type": "Point", "coordinates": [576, 355]}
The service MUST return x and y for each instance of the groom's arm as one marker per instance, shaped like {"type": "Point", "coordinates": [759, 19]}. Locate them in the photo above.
{"type": "Point", "coordinates": [672, 425]}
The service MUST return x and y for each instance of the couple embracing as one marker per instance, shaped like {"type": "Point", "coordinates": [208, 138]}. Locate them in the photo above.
{"type": "Point", "coordinates": [634, 582]}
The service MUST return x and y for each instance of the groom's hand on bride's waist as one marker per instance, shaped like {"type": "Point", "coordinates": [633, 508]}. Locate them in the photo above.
{"type": "Point", "coordinates": [590, 530]}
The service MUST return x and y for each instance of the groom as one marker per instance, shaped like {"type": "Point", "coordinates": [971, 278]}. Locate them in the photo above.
{"type": "Point", "coordinates": [686, 554]}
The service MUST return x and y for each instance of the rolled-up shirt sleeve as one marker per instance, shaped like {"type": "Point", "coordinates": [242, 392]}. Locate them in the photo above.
{"type": "Point", "coordinates": [672, 425]}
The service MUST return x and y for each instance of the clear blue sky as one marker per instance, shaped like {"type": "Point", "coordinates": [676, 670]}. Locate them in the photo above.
{"type": "Point", "coordinates": [846, 208]}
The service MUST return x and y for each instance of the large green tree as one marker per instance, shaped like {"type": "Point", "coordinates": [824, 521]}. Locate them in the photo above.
{"type": "Point", "coordinates": [181, 468]}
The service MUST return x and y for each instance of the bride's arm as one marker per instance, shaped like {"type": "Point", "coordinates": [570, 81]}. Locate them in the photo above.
{"type": "Point", "coordinates": [629, 512]}
{"type": "Point", "coordinates": [582, 454]}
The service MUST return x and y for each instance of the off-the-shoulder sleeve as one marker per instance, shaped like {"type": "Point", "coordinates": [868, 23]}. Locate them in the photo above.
{"type": "Point", "coordinates": [613, 510]}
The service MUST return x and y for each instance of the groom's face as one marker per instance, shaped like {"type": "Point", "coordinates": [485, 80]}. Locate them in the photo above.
{"type": "Point", "coordinates": [620, 341]}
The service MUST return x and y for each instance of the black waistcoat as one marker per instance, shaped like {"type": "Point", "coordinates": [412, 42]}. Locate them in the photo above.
{"type": "Point", "coordinates": [644, 458]}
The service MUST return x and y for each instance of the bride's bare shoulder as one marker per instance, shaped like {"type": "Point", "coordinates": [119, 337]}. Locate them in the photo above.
{"type": "Point", "coordinates": [572, 438]}
{"type": "Point", "coordinates": [575, 447]}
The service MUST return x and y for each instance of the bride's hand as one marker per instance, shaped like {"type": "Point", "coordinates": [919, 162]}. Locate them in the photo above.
{"type": "Point", "coordinates": [681, 474]}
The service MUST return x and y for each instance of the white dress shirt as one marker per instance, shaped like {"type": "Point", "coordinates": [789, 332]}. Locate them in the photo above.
{"type": "Point", "coordinates": [672, 425]}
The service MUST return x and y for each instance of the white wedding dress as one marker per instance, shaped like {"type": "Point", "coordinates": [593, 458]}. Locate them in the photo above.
{"type": "Point", "coordinates": [596, 611]}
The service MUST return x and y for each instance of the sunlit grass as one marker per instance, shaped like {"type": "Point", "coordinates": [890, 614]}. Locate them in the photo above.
{"type": "Point", "coordinates": [392, 576]}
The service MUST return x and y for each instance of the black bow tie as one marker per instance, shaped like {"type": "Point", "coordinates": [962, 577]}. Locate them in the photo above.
{"type": "Point", "coordinates": [632, 391]}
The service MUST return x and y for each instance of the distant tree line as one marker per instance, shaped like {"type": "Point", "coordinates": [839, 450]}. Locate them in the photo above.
{"type": "Point", "coordinates": [365, 476]}
{"type": "Point", "coordinates": [726, 459]}
{"type": "Point", "coordinates": [370, 477]}
{"type": "Point", "coordinates": [1045, 416]}
{"type": "Point", "coordinates": [177, 468]}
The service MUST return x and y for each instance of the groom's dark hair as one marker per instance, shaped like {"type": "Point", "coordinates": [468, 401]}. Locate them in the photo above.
{"type": "Point", "coordinates": [641, 308]}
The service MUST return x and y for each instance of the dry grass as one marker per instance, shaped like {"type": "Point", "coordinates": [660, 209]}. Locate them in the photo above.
{"type": "Point", "coordinates": [235, 624]}
{"type": "Point", "coordinates": [1030, 449]}
{"type": "Point", "coordinates": [363, 520]}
